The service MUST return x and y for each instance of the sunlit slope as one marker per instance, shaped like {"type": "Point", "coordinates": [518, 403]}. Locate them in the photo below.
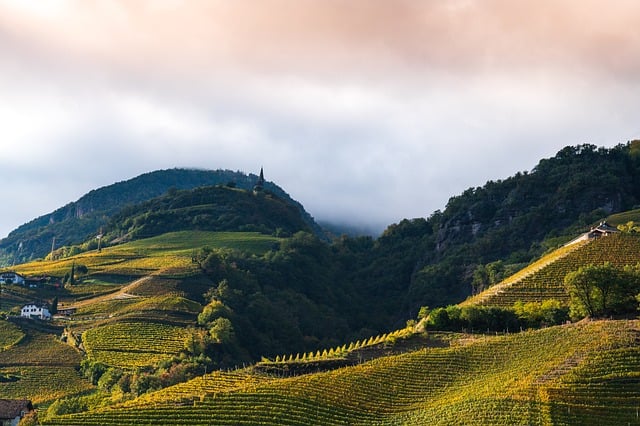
{"type": "Point", "coordinates": [132, 344]}
{"type": "Point", "coordinates": [132, 310]}
{"type": "Point", "coordinates": [153, 274]}
{"type": "Point", "coordinates": [544, 279]}
{"type": "Point", "coordinates": [535, 377]}
{"type": "Point", "coordinates": [34, 364]}
{"type": "Point", "coordinates": [171, 252]}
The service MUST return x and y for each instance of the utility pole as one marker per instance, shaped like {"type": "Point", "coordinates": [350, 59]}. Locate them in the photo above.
{"type": "Point", "coordinates": [53, 246]}
{"type": "Point", "coordinates": [99, 237]}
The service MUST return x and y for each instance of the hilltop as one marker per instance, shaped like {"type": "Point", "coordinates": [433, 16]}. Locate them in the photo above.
{"type": "Point", "coordinates": [82, 219]}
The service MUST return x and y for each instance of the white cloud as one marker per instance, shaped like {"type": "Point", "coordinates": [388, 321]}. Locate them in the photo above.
{"type": "Point", "coordinates": [370, 111]}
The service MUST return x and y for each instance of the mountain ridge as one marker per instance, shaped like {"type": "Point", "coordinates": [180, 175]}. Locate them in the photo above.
{"type": "Point", "coordinates": [78, 220]}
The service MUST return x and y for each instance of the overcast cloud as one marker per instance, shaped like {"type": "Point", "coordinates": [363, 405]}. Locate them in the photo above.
{"type": "Point", "coordinates": [365, 111]}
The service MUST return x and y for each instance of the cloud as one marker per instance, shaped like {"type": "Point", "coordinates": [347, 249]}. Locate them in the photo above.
{"type": "Point", "coordinates": [369, 110]}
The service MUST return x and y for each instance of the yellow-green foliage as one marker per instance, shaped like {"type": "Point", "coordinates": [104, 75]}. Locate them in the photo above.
{"type": "Point", "coordinates": [128, 305]}
{"type": "Point", "coordinates": [526, 378]}
{"type": "Point", "coordinates": [40, 349]}
{"type": "Point", "coordinates": [44, 367]}
{"type": "Point", "coordinates": [9, 335]}
{"type": "Point", "coordinates": [170, 253]}
{"type": "Point", "coordinates": [133, 344]}
{"type": "Point", "coordinates": [43, 384]}
{"type": "Point", "coordinates": [546, 281]}
{"type": "Point", "coordinates": [624, 217]}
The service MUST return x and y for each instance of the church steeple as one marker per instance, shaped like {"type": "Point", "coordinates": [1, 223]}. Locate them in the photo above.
{"type": "Point", "coordinates": [259, 186]}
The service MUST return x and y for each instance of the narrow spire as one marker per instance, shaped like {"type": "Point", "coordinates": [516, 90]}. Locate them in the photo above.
{"type": "Point", "coordinates": [259, 186]}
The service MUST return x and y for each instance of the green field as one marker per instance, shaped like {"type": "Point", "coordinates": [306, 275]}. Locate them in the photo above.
{"type": "Point", "coordinates": [170, 253]}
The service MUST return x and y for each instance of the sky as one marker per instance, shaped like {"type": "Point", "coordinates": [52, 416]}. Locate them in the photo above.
{"type": "Point", "coordinates": [365, 111]}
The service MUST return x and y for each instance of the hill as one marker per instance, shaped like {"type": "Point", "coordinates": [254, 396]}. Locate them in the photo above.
{"type": "Point", "coordinates": [515, 220]}
{"type": "Point", "coordinates": [544, 279]}
{"type": "Point", "coordinates": [211, 278]}
{"type": "Point", "coordinates": [211, 208]}
{"type": "Point", "coordinates": [575, 374]}
{"type": "Point", "coordinates": [82, 219]}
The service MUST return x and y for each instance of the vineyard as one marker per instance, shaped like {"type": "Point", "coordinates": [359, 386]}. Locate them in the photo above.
{"type": "Point", "coordinates": [10, 335]}
{"type": "Point", "coordinates": [123, 305]}
{"type": "Point", "coordinates": [43, 384]}
{"type": "Point", "coordinates": [133, 344]}
{"type": "Point", "coordinates": [170, 252]}
{"type": "Point", "coordinates": [544, 279]}
{"type": "Point", "coordinates": [560, 375]}
{"type": "Point", "coordinates": [38, 366]}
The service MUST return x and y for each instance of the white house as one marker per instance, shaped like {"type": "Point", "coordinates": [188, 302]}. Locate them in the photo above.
{"type": "Point", "coordinates": [11, 278]}
{"type": "Point", "coordinates": [35, 311]}
{"type": "Point", "coordinates": [12, 410]}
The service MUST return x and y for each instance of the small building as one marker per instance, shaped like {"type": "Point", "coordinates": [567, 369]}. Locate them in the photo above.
{"type": "Point", "coordinates": [11, 277]}
{"type": "Point", "coordinates": [13, 410]}
{"type": "Point", "coordinates": [35, 311]}
{"type": "Point", "coordinates": [602, 230]}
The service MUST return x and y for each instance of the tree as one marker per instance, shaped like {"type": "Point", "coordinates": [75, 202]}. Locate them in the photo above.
{"type": "Point", "coordinates": [480, 279]}
{"type": "Point", "coordinates": [629, 227]}
{"type": "Point", "coordinates": [600, 290]}
{"type": "Point", "coordinates": [72, 274]}
{"type": "Point", "coordinates": [423, 312]}
{"type": "Point", "coordinates": [54, 306]}
{"type": "Point", "coordinates": [221, 331]}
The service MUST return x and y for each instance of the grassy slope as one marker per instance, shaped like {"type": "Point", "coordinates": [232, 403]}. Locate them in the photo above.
{"type": "Point", "coordinates": [170, 253]}
{"type": "Point", "coordinates": [624, 217]}
{"type": "Point", "coordinates": [536, 377]}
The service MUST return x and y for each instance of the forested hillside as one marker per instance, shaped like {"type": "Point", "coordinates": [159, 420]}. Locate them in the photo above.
{"type": "Point", "coordinates": [517, 219]}
{"type": "Point", "coordinates": [82, 219]}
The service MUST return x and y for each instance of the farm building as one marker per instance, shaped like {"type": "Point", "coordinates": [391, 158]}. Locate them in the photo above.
{"type": "Point", "coordinates": [13, 410]}
{"type": "Point", "coordinates": [11, 278]}
{"type": "Point", "coordinates": [35, 311]}
{"type": "Point", "coordinates": [602, 230]}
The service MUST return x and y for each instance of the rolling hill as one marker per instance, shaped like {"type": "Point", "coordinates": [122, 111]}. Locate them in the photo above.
{"type": "Point", "coordinates": [576, 374]}
{"type": "Point", "coordinates": [544, 279]}
{"type": "Point", "coordinates": [220, 305]}
{"type": "Point", "coordinates": [82, 219]}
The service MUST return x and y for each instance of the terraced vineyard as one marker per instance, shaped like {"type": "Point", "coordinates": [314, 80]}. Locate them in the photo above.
{"type": "Point", "coordinates": [546, 280]}
{"type": "Point", "coordinates": [10, 335]}
{"type": "Point", "coordinates": [127, 304]}
{"type": "Point", "coordinates": [535, 377]}
{"type": "Point", "coordinates": [40, 349]}
{"type": "Point", "coordinates": [43, 384]}
{"type": "Point", "coordinates": [133, 344]}
{"type": "Point", "coordinates": [38, 366]}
